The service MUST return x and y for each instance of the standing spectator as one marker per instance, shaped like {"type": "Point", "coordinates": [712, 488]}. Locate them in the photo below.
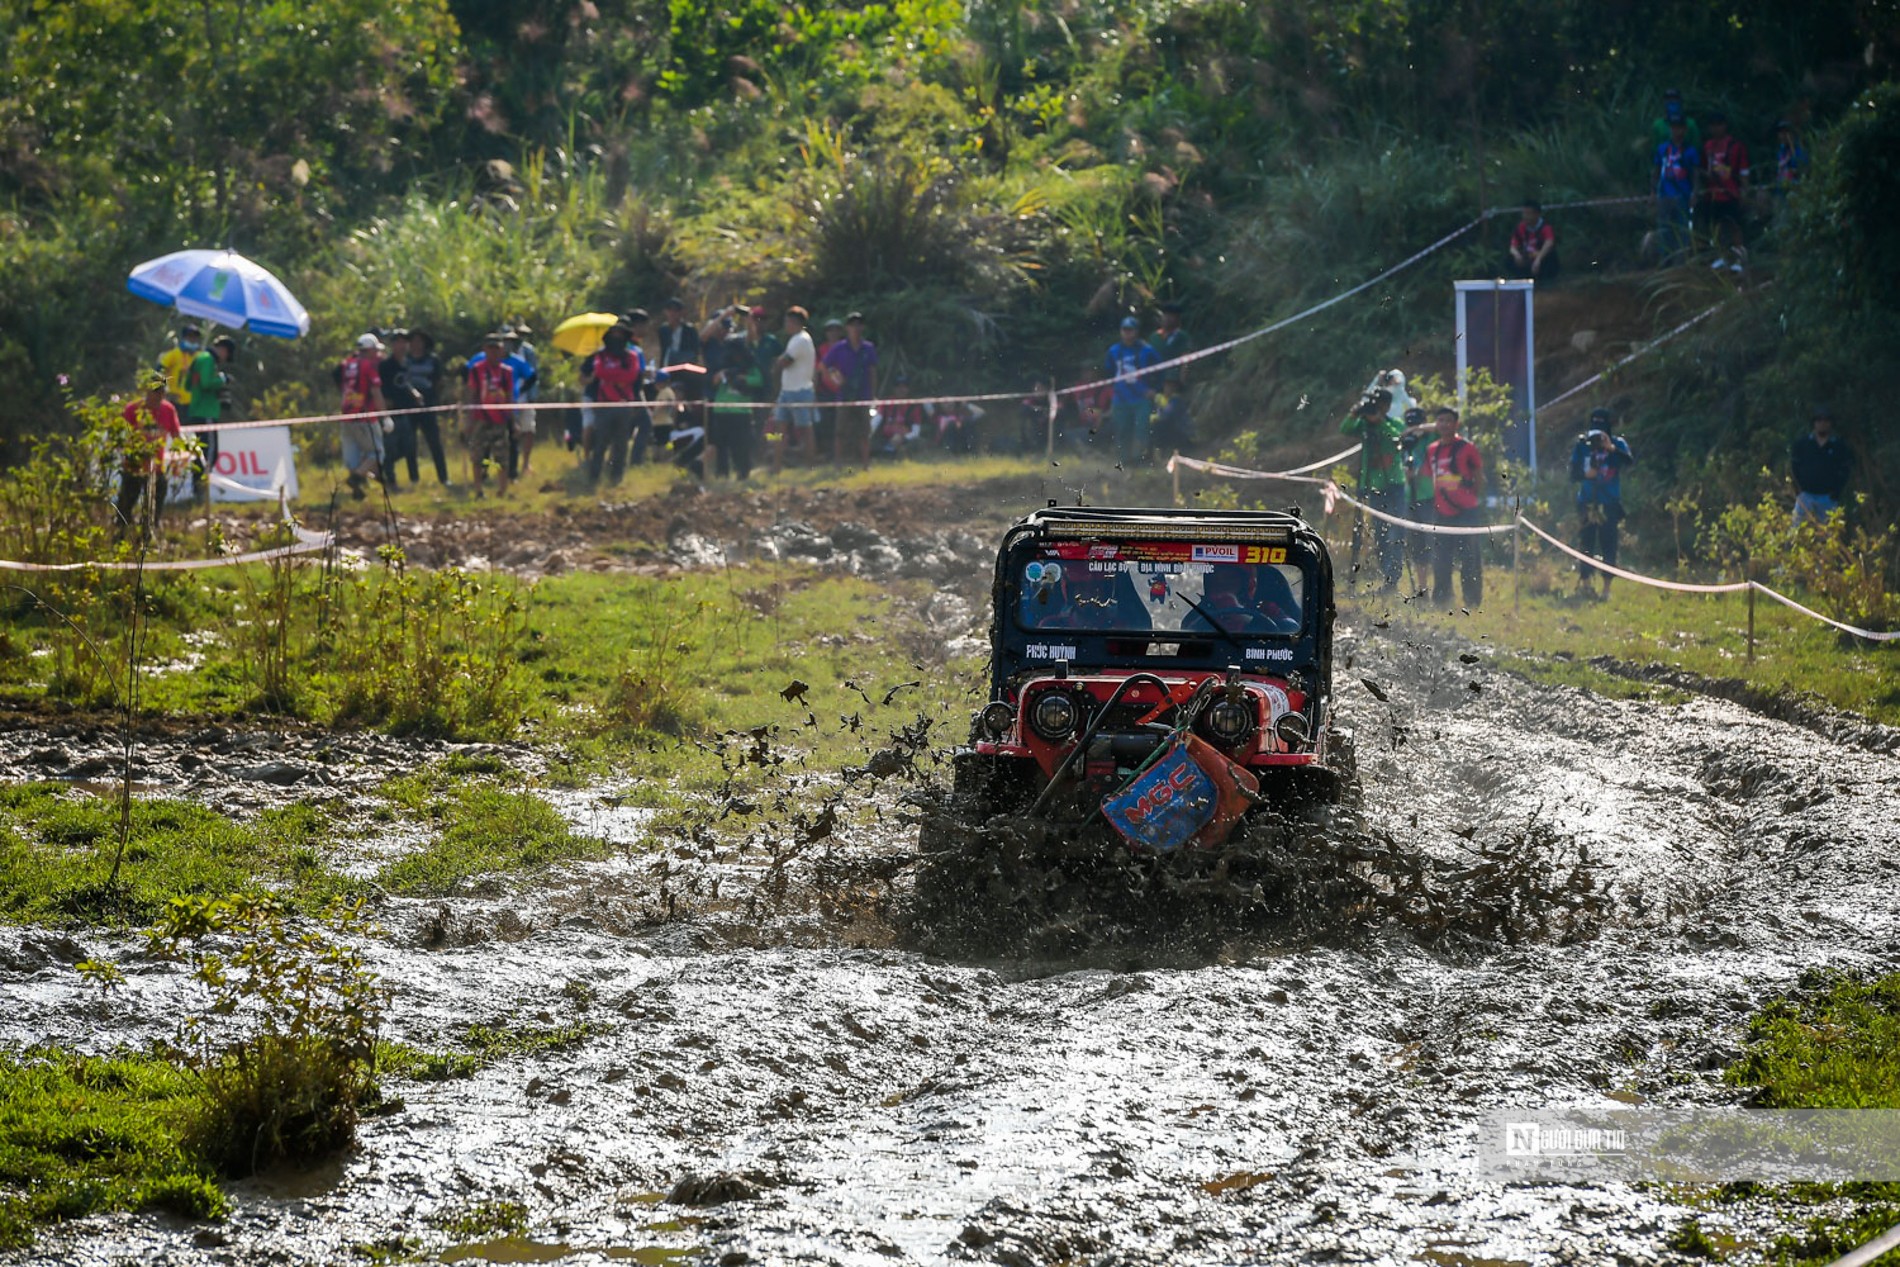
{"type": "Point", "coordinates": [1457, 472]}
{"type": "Point", "coordinates": [174, 363]}
{"type": "Point", "coordinates": [762, 347]}
{"type": "Point", "coordinates": [716, 337]}
{"type": "Point", "coordinates": [491, 388]}
{"type": "Point", "coordinates": [1725, 168]}
{"type": "Point", "coordinates": [525, 360]}
{"type": "Point", "coordinates": [523, 375]}
{"type": "Point", "coordinates": [360, 383]}
{"type": "Point", "coordinates": [854, 358]}
{"type": "Point", "coordinates": [1677, 165]}
{"type": "Point", "coordinates": [1822, 463]}
{"type": "Point", "coordinates": [1533, 244]}
{"type": "Point", "coordinates": [616, 375]}
{"type": "Point", "coordinates": [399, 396]}
{"type": "Point", "coordinates": [1597, 464]}
{"type": "Point", "coordinates": [732, 409]}
{"type": "Point", "coordinates": [1413, 442]}
{"type": "Point", "coordinates": [1791, 164]}
{"type": "Point", "coordinates": [424, 371]}
{"type": "Point", "coordinates": [828, 382]}
{"type": "Point", "coordinates": [1092, 408]}
{"type": "Point", "coordinates": [679, 345]}
{"type": "Point", "coordinates": [208, 381]}
{"type": "Point", "coordinates": [1173, 428]}
{"type": "Point", "coordinates": [1674, 112]}
{"type": "Point", "coordinates": [797, 366]}
{"type": "Point", "coordinates": [640, 324]}
{"type": "Point", "coordinates": [154, 423]}
{"type": "Point", "coordinates": [1133, 402]}
{"type": "Point", "coordinates": [1381, 477]}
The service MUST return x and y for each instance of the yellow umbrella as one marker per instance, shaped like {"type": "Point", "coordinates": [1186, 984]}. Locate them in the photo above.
{"type": "Point", "coordinates": [582, 335]}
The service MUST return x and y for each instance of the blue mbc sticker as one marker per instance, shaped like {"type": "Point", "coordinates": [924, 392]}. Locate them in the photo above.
{"type": "Point", "coordinates": [1163, 808]}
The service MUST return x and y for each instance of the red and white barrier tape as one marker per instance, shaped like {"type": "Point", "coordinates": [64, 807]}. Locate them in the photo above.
{"type": "Point", "coordinates": [1335, 494]}
{"type": "Point", "coordinates": [981, 398]}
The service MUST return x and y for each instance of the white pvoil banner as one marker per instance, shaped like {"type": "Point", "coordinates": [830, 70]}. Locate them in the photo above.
{"type": "Point", "coordinates": [252, 463]}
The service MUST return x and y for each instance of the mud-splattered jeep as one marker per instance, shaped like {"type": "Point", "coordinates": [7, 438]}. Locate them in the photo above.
{"type": "Point", "coordinates": [1163, 672]}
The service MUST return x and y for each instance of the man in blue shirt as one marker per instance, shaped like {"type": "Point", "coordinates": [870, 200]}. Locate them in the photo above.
{"type": "Point", "coordinates": [1132, 404]}
{"type": "Point", "coordinates": [1597, 465]}
{"type": "Point", "coordinates": [1676, 162]}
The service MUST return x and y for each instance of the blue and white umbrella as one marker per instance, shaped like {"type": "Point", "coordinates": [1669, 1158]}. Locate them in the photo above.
{"type": "Point", "coordinates": [224, 287]}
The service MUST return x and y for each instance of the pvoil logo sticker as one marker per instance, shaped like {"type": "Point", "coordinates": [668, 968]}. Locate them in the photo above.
{"type": "Point", "coordinates": [1217, 554]}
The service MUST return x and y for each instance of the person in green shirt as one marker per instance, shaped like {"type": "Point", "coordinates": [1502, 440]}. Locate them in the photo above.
{"type": "Point", "coordinates": [208, 382]}
{"type": "Point", "coordinates": [1413, 441]}
{"type": "Point", "coordinates": [1382, 482]}
{"type": "Point", "coordinates": [730, 422]}
{"type": "Point", "coordinates": [1173, 429]}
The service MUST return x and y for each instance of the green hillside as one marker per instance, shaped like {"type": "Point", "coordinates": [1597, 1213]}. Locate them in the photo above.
{"type": "Point", "coordinates": [993, 183]}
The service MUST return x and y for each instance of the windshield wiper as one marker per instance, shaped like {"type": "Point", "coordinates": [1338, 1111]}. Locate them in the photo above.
{"type": "Point", "coordinates": [1208, 616]}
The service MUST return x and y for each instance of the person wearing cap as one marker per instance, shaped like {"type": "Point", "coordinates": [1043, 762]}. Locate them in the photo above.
{"type": "Point", "coordinates": [1381, 478]}
{"type": "Point", "coordinates": [616, 376]}
{"type": "Point", "coordinates": [853, 359]}
{"type": "Point", "coordinates": [423, 369]}
{"type": "Point", "coordinates": [208, 384]}
{"type": "Point", "coordinates": [174, 363]}
{"type": "Point", "coordinates": [1822, 464]}
{"type": "Point", "coordinates": [1173, 428]}
{"type": "Point", "coordinates": [1725, 175]}
{"type": "Point", "coordinates": [1597, 463]}
{"type": "Point", "coordinates": [797, 366]}
{"type": "Point", "coordinates": [521, 421]}
{"type": "Point", "coordinates": [154, 427]}
{"type": "Point", "coordinates": [489, 424]}
{"type": "Point", "coordinates": [526, 363]}
{"type": "Point", "coordinates": [1791, 163]}
{"type": "Point", "coordinates": [360, 384]}
{"type": "Point", "coordinates": [1533, 250]}
{"type": "Point", "coordinates": [1677, 166]}
{"type": "Point", "coordinates": [1131, 405]}
{"type": "Point", "coordinates": [1674, 112]}
{"type": "Point", "coordinates": [828, 383]}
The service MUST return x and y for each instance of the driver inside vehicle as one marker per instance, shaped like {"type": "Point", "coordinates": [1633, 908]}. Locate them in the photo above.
{"type": "Point", "coordinates": [1246, 600]}
{"type": "Point", "coordinates": [1069, 598]}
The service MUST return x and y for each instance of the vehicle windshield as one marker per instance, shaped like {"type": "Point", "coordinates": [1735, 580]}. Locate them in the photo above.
{"type": "Point", "coordinates": [1153, 593]}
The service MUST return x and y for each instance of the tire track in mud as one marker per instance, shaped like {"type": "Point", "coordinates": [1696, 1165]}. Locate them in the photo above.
{"type": "Point", "coordinates": [1252, 1097]}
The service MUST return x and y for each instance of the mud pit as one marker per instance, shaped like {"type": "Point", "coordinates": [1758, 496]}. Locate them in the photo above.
{"type": "Point", "coordinates": [801, 1086]}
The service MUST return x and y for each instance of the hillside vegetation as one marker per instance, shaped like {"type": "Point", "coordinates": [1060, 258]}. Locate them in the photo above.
{"type": "Point", "coordinates": [992, 182]}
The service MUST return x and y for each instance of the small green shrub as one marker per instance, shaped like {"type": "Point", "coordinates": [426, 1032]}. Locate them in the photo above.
{"type": "Point", "coordinates": [288, 1085]}
{"type": "Point", "coordinates": [1836, 1045]}
{"type": "Point", "coordinates": [1840, 562]}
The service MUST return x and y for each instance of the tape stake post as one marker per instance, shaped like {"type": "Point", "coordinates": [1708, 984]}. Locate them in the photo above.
{"type": "Point", "coordinates": [1751, 623]}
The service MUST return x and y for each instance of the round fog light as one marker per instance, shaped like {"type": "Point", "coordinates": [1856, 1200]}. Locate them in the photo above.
{"type": "Point", "coordinates": [1291, 729]}
{"type": "Point", "coordinates": [997, 718]}
{"type": "Point", "coordinates": [1054, 716]}
{"type": "Point", "coordinates": [1229, 721]}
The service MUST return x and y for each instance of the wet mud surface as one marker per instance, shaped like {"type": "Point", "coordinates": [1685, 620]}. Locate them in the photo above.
{"type": "Point", "coordinates": [781, 1066]}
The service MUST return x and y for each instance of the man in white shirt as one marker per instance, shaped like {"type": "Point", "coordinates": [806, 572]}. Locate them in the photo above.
{"type": "Point", "coordinates": [796, 414]}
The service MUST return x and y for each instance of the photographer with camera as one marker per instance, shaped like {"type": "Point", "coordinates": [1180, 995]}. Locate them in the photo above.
{"type": "Point", "coordinates": [1381, 478]}
{"type": "Point", "coordinates": [1597, 464]}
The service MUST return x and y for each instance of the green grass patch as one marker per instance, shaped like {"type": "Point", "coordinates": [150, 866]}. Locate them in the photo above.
{"type": "Point", "coordinates": [482, 829]}
{"type": "Point", "coordinates": [57, 847]}
{"type": "Point", "coordinates": [481, 1046]}
{"type": "Point", "coordinates": [1835, 1045]}
{"type": "Point", "coordinates": [82, 1135]}
{"type": "Point", "coordinates": [1552, 636]}
{"type": "Point", "coordinates": [478, 1219]}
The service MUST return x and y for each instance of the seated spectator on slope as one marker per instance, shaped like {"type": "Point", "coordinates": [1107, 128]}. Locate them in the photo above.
{"type": "Point", "coordinates": [900, 425]}
{"type": "Point", "coordinates": [957, 429]}
{"type": "Point", "coordinates": [1822, 463]}
{"type": "Point", "coordinates": [1533, 244]}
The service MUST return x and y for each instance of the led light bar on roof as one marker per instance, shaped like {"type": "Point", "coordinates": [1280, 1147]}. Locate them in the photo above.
{"type": "Point", "coordinates": [1161, 530]}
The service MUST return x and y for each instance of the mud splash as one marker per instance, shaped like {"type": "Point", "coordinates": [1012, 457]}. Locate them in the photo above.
{"type": "Point", "coordinates": [791, 1079]}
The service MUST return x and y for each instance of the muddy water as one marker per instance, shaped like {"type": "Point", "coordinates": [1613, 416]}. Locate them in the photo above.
{"type": "Point", "coordinates": [792, 1087]}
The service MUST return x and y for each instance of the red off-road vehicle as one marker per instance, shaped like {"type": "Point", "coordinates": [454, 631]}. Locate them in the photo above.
{"type": "Point", "coordinates": [1164, 673]}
